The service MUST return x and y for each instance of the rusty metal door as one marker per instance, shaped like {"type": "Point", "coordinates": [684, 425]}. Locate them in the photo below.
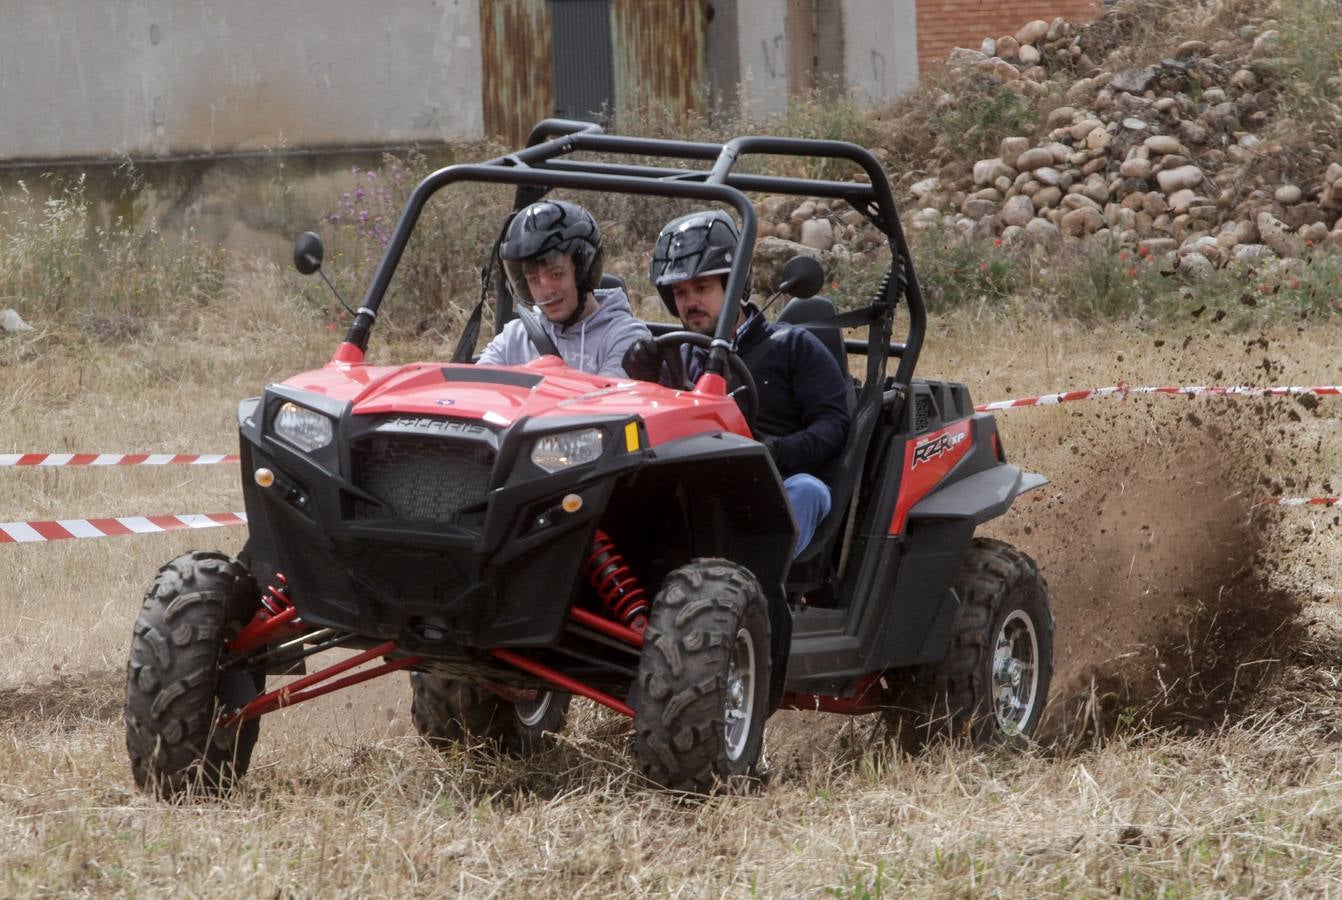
{"type": "Point", "coordinates": [584, 71]}
{"type": "Point", "coordinates": [517, 72]}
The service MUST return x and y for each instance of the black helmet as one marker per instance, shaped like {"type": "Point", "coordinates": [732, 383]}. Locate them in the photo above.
{"type": "Point", "coordinates": [701, 243]}
{"type": "Point", "coordinates": [546, 229]}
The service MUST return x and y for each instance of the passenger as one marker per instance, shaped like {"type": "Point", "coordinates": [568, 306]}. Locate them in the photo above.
{"type": "Point", "coordinates": [552, 257]}
{"type": "Point", "coordinates": [803, 395]}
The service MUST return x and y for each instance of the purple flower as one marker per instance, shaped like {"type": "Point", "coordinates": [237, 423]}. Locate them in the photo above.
{"type": "Point", "coordinates": [359, 194]}
{"type": "Point", "coordinates": [333, 218]}
{"type": "Point", "coordinates": [363, 216]}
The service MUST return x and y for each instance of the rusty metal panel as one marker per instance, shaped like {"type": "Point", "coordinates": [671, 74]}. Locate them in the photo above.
{"type": "Point", "coordinates": [517, 70]}
{"type": "Point", "coordinates": [659, 54]}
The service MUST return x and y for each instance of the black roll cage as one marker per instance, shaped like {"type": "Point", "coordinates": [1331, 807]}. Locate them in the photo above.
{"type": "Point", "coordinates": [540, 167]}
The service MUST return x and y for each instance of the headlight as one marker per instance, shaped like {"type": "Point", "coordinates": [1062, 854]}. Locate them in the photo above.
{"type": "Point", "coordinates": [305, 429]}
{"type": "Point", "coordinates": [572, 448]}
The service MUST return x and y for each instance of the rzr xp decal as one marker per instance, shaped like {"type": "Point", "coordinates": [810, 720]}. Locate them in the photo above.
{"type": "Point", "coordinates": [931, 449]}
{"type": "Point", "coordinates": [927, 460]}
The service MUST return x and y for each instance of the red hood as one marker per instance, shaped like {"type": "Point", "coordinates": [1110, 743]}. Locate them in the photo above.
{"type": "Point", "coordinates": [499, 395]}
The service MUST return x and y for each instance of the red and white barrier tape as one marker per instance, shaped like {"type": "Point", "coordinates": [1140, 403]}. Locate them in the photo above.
{"type": "Point", "coordinates": [70, 529]}
{"type": "Point", "coordinates": [116, 459]}
{"type": "Point", "coordinates": [1306, 501]}
{"type": "Point", "coordinates": [1123, 390]}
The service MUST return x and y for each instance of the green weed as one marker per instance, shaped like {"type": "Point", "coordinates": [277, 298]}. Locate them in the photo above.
{"type": "Point", "coordinates": [861, 885]}
{"type": "Point", "coordinates": [59, 266]}
{"type": "Point", "coordinates": [1311, 57]}
{"type": "Point", "coordinates": [982, 114]}
{"type": "Point", "coordinates": [956, 272]}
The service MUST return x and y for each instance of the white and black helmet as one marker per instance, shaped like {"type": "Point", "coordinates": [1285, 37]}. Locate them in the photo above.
{"type": "Point", "coordinates": [701, 243]}
{"type": "Point", "coordinates": [544, 230]}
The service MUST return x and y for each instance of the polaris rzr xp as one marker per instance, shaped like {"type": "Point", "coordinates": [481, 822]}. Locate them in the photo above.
{"type": "Point", "coordinates": [515, 536]}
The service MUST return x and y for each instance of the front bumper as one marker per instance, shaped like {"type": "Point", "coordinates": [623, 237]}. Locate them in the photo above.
{"type": "Point", "coordinates": [443, 569]}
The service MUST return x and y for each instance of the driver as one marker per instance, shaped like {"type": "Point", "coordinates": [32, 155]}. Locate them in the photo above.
{"type": "Point", "coordinates": [552, 257]}
{"type": "Point", "coordinates": [803, 397]}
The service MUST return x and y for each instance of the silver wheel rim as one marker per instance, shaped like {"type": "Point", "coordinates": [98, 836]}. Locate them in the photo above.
{"type": "Point", "coordinates": [531, 712]}
{"type": "Point", "coordinates": [1015, 680]}
{"type": "Point", "coordinates": [740, 706]}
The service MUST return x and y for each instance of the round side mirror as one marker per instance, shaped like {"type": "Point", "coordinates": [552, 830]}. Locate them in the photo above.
{"type": "Point", "coordinates": [308, 253]}
{"type": "Point", "coordinates": [803, 276]}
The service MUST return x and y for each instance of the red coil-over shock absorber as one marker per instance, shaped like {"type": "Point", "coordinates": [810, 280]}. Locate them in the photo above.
{"type": "Point", "coordinates": [615, 584]}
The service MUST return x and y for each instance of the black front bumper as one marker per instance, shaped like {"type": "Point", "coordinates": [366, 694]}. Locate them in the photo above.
{"type": "Point", "coordinates": [501, 569]}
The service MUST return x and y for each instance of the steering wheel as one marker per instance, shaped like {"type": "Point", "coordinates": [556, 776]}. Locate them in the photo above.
{"type": "Point", "coordinates": [669, 343]}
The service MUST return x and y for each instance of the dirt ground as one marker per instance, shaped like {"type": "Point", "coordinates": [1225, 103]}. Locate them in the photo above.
{"type": "Point", "coordinates": [1192, 744]}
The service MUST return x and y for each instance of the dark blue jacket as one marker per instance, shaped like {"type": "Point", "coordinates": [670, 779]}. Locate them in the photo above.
{"type": "Point", "coordinates": [803, 416]}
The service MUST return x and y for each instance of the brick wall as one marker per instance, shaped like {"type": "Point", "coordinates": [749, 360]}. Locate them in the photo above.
{"type": "Point", "coordinates": [944, 24]}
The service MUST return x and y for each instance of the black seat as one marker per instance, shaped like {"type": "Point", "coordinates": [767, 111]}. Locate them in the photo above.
{"type": "Point", "coordinates": [804, 310]}
{"type": "Point", "coordinates": [612, 281]}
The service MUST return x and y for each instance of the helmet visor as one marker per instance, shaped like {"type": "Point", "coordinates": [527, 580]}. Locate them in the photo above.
{"type": "Point", "coordinates": [688, 252]}
{"type": "Point", "coordinates": [516, 271]}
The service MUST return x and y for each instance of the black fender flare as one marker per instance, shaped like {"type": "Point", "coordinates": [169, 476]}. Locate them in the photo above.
{"type": "Point", "coordinates": [982, 496]}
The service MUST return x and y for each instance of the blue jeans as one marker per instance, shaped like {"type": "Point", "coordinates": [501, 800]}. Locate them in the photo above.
{"type": "Point", "coordinates": [809, 498]}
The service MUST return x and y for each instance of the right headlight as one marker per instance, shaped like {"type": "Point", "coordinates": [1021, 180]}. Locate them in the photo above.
{"type": "Point", "coordinates": [569, 448]}
{"type": "Point", "coordinates": [304, 428]}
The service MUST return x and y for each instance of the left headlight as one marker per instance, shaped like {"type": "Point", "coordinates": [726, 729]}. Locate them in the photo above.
{"type": "Point", "coordinates": [570, 448]}
{"type": "Point", "coordinates": [305, 429]}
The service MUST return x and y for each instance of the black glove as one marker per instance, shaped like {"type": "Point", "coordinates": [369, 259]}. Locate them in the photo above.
{"type": "Point", "coordinates": [643, 360]}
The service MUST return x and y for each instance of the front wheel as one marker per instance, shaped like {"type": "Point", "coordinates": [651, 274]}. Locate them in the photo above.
{"type": "Point", "coordinates": [175, 684]}
{"type": "Point", "coordinates": [703, 681]}
{"type": "Point", "coordinates": [447, 712]}
{"type": "Point", "coordinates": [993, 682]}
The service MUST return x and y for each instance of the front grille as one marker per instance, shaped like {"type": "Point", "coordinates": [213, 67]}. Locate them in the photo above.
{"type": "Point", "coordinates": [422, 479]}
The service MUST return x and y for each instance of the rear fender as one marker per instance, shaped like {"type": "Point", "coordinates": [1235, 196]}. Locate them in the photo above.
{"type": "Point", "coordinates": [979, 497]}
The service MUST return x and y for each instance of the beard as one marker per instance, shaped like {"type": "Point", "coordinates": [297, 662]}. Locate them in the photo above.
{"type": "Point", "coordinates": [699, 320]}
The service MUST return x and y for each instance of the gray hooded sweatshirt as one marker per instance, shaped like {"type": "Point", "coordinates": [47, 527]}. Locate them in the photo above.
{"type": "Point", "coordinates": [595, 345]}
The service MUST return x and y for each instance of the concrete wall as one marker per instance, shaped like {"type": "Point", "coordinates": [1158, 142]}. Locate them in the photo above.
{"type": "Point", "coordinates": [145, 78]}
{"type": "Point", "coordinates": [763, 56]}
{"type": "Point", "coordinates": [155, 77]}
{"type": "Point", "coordinates": [880, 48]}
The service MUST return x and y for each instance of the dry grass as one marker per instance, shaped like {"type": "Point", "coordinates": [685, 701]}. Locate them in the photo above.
{"type": "Point", "coordinates": [1237, 795]}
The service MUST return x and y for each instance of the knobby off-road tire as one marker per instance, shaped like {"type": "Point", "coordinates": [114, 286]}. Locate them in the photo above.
{"type": "Point", "coordinates": [174, 687]}
{"type": "Point", "coordinates": [703, 680]}
{"type": "Point", "coordinates": [448, 712]}
{"type": "Point", "coordinates": [992, 684]}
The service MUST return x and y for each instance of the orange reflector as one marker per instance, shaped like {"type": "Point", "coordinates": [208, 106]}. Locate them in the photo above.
{"type": "Point", "coordinates": [631, 436]}
{"type": "Point", "coordinates": [571, 503]}
{"type": "Point", "coordinates": [264, 477]}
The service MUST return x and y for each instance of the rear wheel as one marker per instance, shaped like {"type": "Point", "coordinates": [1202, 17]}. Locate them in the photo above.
{"type": "Point", "coordinates": [992, 684]}
{"type": "Point", "coordinates": [447, 712]}
{"type": "Point", "coordinates": [175, 686]}
{"type": "Point", "coordinates": [703, 681]}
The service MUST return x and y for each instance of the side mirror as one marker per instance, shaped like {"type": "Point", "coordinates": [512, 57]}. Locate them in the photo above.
{"type": "Point", "coordinates": [308, 253]}
{"type": "Point", "coordinates": [802, 277]}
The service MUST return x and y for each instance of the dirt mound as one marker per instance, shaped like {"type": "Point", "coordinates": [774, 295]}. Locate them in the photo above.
{"type": "Point", "coordinates": [1159, 551]}
{"type": "Point", "coordinates": [65, 701]}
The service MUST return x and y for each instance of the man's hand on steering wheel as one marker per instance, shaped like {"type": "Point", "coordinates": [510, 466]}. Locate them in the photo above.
{"type": "Point", "coordinates": [647, 359]}
{"type": "Point", "coordinates": [643, 360]}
